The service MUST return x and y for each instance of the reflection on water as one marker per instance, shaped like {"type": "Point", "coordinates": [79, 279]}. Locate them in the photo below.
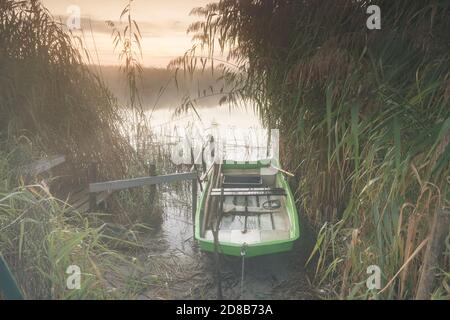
{"type": "Point", "coordinates": [177, 226]}
{"type": "Point", "coordinates": [237, 132]}
{"type": "Point", "coordinates": [224, 115]}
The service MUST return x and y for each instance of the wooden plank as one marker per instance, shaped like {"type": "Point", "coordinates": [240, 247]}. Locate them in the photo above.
{"type": "Point", "coordinates": [43, 165]}
{"type": "Point", "coordinates": [80, 198]}
{"type": "Point", "coordinates": [139, 182]}
{"type": "Point", "coordinates": [84, 207]}
{"type": "Point", "coordinates": [194, 203]}
{"type": "Point", "coordinates": [249, 192]}
{"type": "Point", "coordinates": [254, 180]}
{"type": "Point", "coordinates": [76, 196]}
{"type": "Point", "coordinates": [247, 189]}
{"type": "Point", "coordinates": [241, 210]}
{"type": "Point", "coordinates": [206, 211]}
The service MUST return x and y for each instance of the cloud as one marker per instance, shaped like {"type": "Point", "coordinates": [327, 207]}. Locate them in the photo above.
{"type": "Point", "coordinates": [148, 29]}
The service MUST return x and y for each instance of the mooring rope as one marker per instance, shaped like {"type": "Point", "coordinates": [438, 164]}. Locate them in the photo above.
{"type": "Point", "coordinates": [243, 253]}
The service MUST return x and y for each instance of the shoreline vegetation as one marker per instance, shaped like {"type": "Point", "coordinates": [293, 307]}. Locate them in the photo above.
{"type": "Point", "coordinates": [364, 118]}
{"type": "Point", "coordinates": [51, 103]}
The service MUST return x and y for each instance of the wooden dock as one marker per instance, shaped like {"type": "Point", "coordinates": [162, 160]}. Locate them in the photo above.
{"type": "Point", "coordinates": [79, 200]}
{"type": "Point", "coordinates": [87, 198]}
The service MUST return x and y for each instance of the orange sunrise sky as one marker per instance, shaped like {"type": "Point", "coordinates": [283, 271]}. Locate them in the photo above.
{"type": "Point", "coordinates": [163, 25]}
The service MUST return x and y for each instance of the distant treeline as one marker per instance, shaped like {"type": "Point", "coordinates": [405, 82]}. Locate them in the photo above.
{"type": "Point", "coordinates": [163, 87]}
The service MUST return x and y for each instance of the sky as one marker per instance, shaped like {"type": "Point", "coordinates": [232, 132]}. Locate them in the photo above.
{"type": "Point", "coordinates": [163, 24]}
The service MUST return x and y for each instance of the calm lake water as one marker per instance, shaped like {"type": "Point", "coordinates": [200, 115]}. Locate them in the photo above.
{"type": "Point", "coordinates": [237, 132]}
{"type": "Point", "coordinates": [186, 272]}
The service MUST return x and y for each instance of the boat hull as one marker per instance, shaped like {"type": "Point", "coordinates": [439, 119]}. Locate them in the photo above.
{"type": "Point", "coordinates": [253, 249]}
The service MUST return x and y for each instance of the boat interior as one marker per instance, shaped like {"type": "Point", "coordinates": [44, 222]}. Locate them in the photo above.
{"type": "Point", "coordinates": [246, 206]}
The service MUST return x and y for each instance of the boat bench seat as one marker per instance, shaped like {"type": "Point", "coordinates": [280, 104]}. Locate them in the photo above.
{"type": "Point", "coordinates": [248, 192]}
{"type": "Point", "coordinates": [250, 237]}
{"type": "Point", "coordinates": [240, 180]}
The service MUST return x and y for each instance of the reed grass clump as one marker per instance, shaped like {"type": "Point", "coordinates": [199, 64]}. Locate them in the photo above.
{"type": "Point", "coordinates": [41, 237]}
{"type": "Point", "coordinates": [365, 124]}
{"type": "Point", "coordinates": [48, 95]}
{"type": "Point", "coordinates": [50, 103]}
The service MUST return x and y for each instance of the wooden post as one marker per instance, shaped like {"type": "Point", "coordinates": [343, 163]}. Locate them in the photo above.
{"type": "Point", "coordinates": [433, 255]}
{"type": "Point", "coordinates": [151, 170]}
{"type": "Point", "coordinates": [194, 204]}
{"type": "Point", "coordinates": [152, 189]}
{"type": "Point", "coordinates": [152, 173]}
{"type": "Point", "coordinates": [91, 178]}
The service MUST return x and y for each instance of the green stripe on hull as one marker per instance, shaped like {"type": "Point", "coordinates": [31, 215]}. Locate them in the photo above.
{"type": "Point", "coordinates": [260, 249]}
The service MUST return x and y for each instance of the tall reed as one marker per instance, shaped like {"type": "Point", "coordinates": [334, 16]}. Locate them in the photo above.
{"type": "Point", "coordinates": [51, 103]}
{"type": "Point", "coordinates": [48, 94]}
{"type": "Point", "coordinates": [364, 118]}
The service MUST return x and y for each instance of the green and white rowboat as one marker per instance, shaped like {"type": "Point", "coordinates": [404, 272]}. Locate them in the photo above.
{"type": "Point", "coordinates": [248, 208]}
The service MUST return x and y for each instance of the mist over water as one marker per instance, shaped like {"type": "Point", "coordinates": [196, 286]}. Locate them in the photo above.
{"type": "Point", "coordinates": [165, 88]}
{"type": "Point", "coordinates": [162, 92]}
